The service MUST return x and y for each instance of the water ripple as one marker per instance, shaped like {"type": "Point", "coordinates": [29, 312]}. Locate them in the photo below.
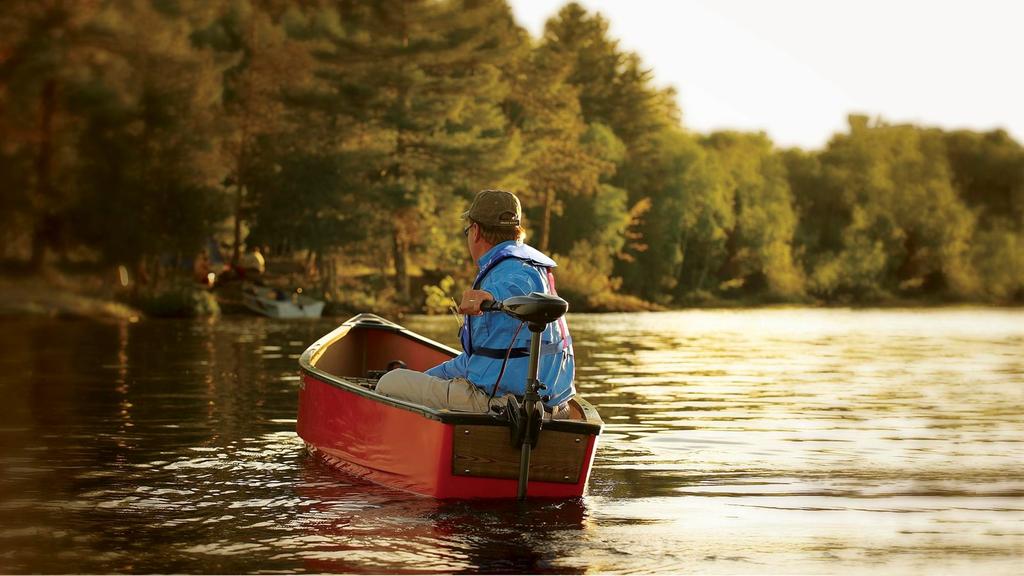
{"type": "Point", "coordinates": [789, 440]}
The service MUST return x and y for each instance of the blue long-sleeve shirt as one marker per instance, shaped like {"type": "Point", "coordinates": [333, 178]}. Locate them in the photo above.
{"type": "Point", "coordinates": [494, 330]}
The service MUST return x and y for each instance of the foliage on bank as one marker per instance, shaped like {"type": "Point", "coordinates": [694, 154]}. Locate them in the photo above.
{"type": "Point", "coordinates": [351, 136]}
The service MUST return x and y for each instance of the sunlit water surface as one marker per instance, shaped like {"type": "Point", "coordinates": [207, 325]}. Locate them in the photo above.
{"type": "Point", "coordinates": [782, 440]}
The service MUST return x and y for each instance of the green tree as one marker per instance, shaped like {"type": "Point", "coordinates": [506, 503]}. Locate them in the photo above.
{"type": "Point", "coordinates": [760, 255]}
{"type": "Point", "coordinates": [300, 202]}
{"type": "Point", "coordinates": [268, 64]}
{"type": "Point", "coordinates": [563, 157]}
{"type": "Point", "coordinates": [988, 173]}
{"type": "Point", "coordinates": [614, 88]}
{"type": "Point", "coordinates": [822, 212]}
{"type": "Point", "coordinates": [615, 91]}
{"type": "Point", "coordinates": [148, 166]}
{"type": "Point", "coordinates": [45, 46]}
{"type": "Point", "coordinates": [908, 230]}
{"type": "Point", "coordinates": [684, 231]}
{"type": "Point", "coordinates": [420, 86]}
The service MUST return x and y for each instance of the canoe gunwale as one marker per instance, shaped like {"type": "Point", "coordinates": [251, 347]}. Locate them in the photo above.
{"type": "Point", "coordinates": [592, 426]}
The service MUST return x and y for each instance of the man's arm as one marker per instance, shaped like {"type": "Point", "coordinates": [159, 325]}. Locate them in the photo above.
{"type": "Point", "coordinates": [514, 280]}
{"type": "Point", "coordinates": [471, 301]}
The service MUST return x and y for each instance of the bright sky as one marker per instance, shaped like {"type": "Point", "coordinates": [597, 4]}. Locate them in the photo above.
{"type": "Point", "coordinates": [796, 68]}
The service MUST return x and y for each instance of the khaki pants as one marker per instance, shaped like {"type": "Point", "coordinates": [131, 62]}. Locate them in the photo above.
{"type": "Point", "coordinates": [456, 394]}
{"type": "Point", "coordinates": [419, 388]}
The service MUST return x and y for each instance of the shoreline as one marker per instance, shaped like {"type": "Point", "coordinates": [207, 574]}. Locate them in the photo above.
{"type": "Point", "coordinates": [38, 296]}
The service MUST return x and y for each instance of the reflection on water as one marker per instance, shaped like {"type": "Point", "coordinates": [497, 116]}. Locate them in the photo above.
{"type": "Point", "coordinates": [798, 441]}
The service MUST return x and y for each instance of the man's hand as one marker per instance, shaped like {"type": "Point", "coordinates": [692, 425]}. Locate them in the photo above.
{"type": "Point", "coordinates": [471, 300]}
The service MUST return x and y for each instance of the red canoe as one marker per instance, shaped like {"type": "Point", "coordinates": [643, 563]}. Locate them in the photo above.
{"type": "Point", "coordinates": [438, 453]}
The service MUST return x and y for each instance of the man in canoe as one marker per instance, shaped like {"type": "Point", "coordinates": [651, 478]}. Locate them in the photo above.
{"type": "Point", "coordinates": [495, 356]}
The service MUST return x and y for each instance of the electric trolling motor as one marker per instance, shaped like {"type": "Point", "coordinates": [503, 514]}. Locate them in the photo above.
{"type": "Point", "coordinates": [537, 310]}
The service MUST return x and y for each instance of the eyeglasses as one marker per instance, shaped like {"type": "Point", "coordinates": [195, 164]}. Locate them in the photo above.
{"type": "Point", "coordinates": [465, 231]}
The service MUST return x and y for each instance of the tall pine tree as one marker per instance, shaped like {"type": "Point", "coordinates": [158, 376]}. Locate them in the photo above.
{"type": "Point", "coordinates": [417, 85]}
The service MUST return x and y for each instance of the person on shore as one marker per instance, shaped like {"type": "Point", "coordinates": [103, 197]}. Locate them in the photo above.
{"type": "Point", "coordinates": [201, 271]}
{"type": "Point", "coordinates": [252, 265]}
{"type": "Point", "coordinates": [481, 377]}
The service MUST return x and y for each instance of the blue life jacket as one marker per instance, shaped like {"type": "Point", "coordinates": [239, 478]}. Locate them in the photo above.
{"type": "Point", "coordinates": [556, 342]}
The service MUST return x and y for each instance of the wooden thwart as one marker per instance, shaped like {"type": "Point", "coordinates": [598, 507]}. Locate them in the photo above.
{"type": "Point", "coordinates": [486, 451]}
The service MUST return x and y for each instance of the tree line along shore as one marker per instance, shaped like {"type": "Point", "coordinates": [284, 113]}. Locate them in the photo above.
{"type": "Point", "coordinates": [346, 139]}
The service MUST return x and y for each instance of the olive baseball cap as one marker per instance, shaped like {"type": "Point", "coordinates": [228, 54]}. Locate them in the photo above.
{"type": "Point", "coordinates": [495, 208]}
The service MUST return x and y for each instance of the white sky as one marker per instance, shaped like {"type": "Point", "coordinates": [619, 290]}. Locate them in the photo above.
{"type": "Point", "coordinates": [796, 68]}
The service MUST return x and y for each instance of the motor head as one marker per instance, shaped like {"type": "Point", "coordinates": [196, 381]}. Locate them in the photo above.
{"type": "Point", "coordinates": [534, 308]}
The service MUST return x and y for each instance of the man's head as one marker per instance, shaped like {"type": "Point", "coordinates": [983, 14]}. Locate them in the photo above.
{"type": "Point", "coordinates": [494, 217]}
{"type": "Point", "coordinates": [495, 209]}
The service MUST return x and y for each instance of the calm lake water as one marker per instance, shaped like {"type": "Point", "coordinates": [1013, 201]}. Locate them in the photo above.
{"type": "Point", "coordinates": [764, 441]}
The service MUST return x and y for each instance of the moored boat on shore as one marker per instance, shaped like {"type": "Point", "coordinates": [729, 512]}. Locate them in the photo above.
{"type": "Point", "coordinates": [276, 303]}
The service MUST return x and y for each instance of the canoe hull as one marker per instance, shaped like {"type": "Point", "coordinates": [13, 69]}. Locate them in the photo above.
{"type": "Point", "coordinates": [435, 453]}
